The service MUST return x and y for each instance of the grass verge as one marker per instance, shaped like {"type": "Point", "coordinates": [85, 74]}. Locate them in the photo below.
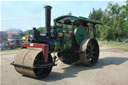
{"type": "Point", "coordinates": [114, 44]}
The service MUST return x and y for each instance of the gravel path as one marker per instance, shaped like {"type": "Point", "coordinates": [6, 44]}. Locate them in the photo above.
{"type": "Point", "coordinates": [112, 69]}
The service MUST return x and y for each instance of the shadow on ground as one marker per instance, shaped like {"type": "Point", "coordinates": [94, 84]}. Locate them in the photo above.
{"type": "Point", "coordinates": [72, 70]}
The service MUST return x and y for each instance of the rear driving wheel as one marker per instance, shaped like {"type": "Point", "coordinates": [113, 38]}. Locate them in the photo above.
{"type": "Point", "coordinates": [89, 52]}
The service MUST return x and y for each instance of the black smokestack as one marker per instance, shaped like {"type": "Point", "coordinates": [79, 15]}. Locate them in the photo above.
{"type": "Point", "coordinates": [48, 20]}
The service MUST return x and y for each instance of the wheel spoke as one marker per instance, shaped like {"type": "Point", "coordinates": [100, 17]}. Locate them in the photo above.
{"type": "Point", "coordinates": [90, 44]}
{"type": "Point", "coordinates": [88, 49]}
{"type": "Point", "coordinates": [92, 56]}
{"type": "Point", "coordinates": [87, 54]}
{"type": "Point", "coordinates": [93, 52]}
{"type": "Point", "coordinates": [93, 47]}
{"type": "Point", "coordinates": [89, 59]}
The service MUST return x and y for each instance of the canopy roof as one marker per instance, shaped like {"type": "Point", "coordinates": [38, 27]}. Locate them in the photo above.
{"type": "Point", "coordinates": [73, 19]}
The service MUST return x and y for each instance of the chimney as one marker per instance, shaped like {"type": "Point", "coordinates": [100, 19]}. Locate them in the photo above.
{"type": "Point", "coordinates": [48, 20]}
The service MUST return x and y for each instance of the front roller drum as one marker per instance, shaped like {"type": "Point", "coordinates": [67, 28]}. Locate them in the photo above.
{"type": "Point", "coordinates": [89, 52]}
{"type": "Point", "coordinates": [29, 62]}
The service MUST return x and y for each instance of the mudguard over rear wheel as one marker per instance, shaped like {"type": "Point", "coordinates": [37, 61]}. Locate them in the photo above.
{"type": "Point", "coordinates": [89, 52]}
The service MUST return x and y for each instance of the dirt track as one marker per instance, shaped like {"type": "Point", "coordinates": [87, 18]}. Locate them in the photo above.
{"type": "Point", "coordinates": [112, 69]}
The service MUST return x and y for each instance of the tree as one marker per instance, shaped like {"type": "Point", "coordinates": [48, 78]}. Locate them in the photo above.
{"type": "Point", "coordinates": [96, 14]}
{"type": "Point", "coordinates": [115, 19]}
{"type": "Point", "coordinates": [41, 29]}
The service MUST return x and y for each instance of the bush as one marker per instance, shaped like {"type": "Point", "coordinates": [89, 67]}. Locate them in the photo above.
{"type": "Point", "coordinates": [106, 33]}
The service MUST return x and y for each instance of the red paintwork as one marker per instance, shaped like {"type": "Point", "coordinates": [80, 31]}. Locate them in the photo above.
{"type": "Point", "coordinates": [70, 32]}
{"type": "Point", "coordinates": [45, 49]}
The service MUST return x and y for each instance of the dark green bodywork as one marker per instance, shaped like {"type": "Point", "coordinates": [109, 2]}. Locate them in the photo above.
{"type": "Point", "coordinates": [71, 30]}
{"type": "Point", "coordinates": [73, 19]}
{"type": "Point", "coordinates": [81, 33]}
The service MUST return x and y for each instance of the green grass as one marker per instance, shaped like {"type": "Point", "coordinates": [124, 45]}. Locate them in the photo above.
{"type": "Point", "coordinates": [114, 44]}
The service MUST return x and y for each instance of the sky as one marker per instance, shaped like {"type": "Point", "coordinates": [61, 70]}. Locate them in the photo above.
{"type": "Point", "coordinates": [25, 15]}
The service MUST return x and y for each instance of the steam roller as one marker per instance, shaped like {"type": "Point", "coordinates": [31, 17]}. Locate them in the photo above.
{"type": "Point", "coordinates": [69, 41]}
